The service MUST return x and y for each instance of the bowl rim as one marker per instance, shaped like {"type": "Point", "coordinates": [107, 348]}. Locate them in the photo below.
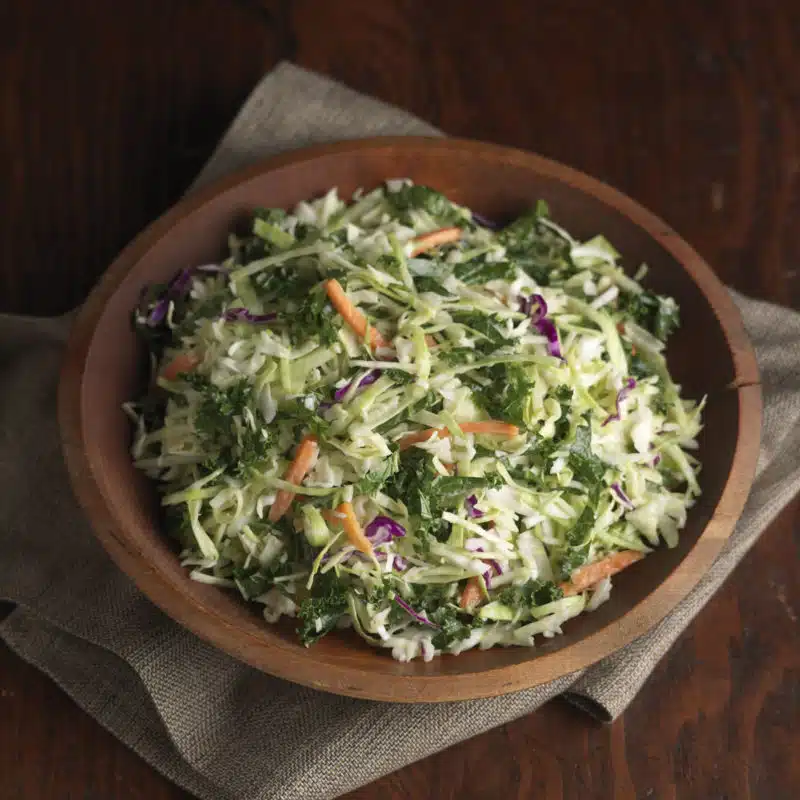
{"type": "Point", "coordinates": [343, 679]}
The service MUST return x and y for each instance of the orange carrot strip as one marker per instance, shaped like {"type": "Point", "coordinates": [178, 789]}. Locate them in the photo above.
{"type": "Point", "coordinates": [471, 595]}
{"type": "Point", "coordinates": [353, 529]}
{"type": "Point", "coordinates": [332, 517]}
{"type": "Point", "coordinates": [410, 439]}
{"type": "Point", "coordinates": [354, 319]}
{"type": "Point", "coordinates": [584, 577]}
{"type": "Point", "coordinates": [490, 427]}
{"type": "Point", "coordinates": [304, 460]}
{"type": "Point", "coordinates": [435, 238]}
{"type": "Point", "coordinates": [183, 362]}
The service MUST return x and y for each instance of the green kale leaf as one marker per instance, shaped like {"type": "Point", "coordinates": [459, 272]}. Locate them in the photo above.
{"type": "Point", "coordinates": [485, 326]}
{"type": "Point", "coordinates": [659, 315]}
{"type": "Point", "coordinates": [536, 248]}
{"type": "Point", "coordinates": [424, 198]}
{"type": "Point", "coordinates": [534, 592]}
{"type": "Point", "coordinates": [509, 395]}
{"type": "Point", "coordinates": [479, 270]}
{"type": "Point", "coordinates": [586, 466]}
{"type": "Point", "coordinates": [319, 613]}
{"type": "Point", "coordinates": [374, 481]}
{"type": "Point", "coordinates": [222, 424]}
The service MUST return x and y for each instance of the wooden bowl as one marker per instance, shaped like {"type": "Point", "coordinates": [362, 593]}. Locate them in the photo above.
{"type": "Point", "coordinates": [710, 355]}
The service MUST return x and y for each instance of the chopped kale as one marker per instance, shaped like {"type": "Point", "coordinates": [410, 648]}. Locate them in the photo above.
{"type": "Point", "coordinates": [313, 318]}
{"type": "Point", "coordinates": [427, 494]}
{"type": "Point", "coordinates": [534, 592]}
{"type": "Point", "coordinates": [374, 481]}
{"type": "Point", "coordinates": [535, 247]}
{"type": "Point", "coordinates": [424, 198]}
{"type": "Point", "coordinates": [659, 315]}
{"type": "Point", "coordinates": [274, 216]}
{"type": "Point", "coordinates": [454, 626]}
{"type": "Point", "coordinates": [430, 283]}
{"type": "Point", "coordinates": [437, 602]}
{"type": "Point", "coordinates": [586, 466]}
{"type": "Point", "coordinates": [509, 395]}
{"type": "Point", "coordinates": [309, 419]}
{"type": "Point", "coordinates": [319, 613]}
{"type": "Point", "coordinates": [479, 270]}
{"type": "Point", "coordinates": [571, 561]}
{"type": "Point", "coordinates": [485, 326]}
{"type": "Point", "coordinates": [563, 395]}
{"type": "Point", "coordinates": [229, 423]}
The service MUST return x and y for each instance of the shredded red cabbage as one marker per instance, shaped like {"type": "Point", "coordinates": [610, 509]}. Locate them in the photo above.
{"type": "Point", "coordinates": [494, 569]}
{"type": "Point", "coordinates": [484, 222]}
{"type": "Point", "coordinates": [365, 381]}
{"type": "Point", "coordinates": [621, 395]}
{"type": "Point", "coordinates": [399, 563]}
{"type": "Point", "coordinates": [158, 312]}
{"type": "Point", "coordinates": [383, 529]}
{"type": "Point", "coordinates": [176, 289]}
{"type": "Point", "coordinates": [180, 283]}
{"type": "Point", "coordinates": [421, 618]}
{"type": "Point", "coordinates": [623, 498]}
{"type": "Point", "coordinates": [470, 503]}
{"type": "Point", "coordinates": [243, 315]}
{"type": "Point", "coordinates": [535, 307]}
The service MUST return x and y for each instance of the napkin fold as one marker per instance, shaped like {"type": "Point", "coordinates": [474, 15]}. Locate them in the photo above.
{"type": "Point", "coordinates": [213, 725]}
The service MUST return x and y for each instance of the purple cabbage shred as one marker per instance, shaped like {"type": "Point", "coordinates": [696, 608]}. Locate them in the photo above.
{"type": "Point", "coordinates": [535, 307]}
{"type": "Point", "coordinates": [365, 381]}
{"type": "Point", "coordinates": [484, 222]}
{"type": "Point", "coordinates": [621, 395]}
{"type": "Point", "coordinates": [383, 529]}
{"type": "Point", "coordinates": [421, 618]}
{"type": "Point", "coordinates": [243, 315]}
{"type": "Point", "coordinates": [623, 498]}
{"type": "Point", "coordinates": [470, 503]}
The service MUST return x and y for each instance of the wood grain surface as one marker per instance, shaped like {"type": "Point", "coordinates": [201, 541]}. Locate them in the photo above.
{"type": "Point", "coordinates": [693, 108]}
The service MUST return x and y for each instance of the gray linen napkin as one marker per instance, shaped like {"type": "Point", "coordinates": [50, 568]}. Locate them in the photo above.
{"type": "Point", "coordinates": [215, 726]}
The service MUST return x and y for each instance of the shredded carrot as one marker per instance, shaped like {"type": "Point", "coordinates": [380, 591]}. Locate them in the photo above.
{"type": "Point", "coordinates": [435, 238]}
{"type": "Point", "coordinates": [304, 460]}
{"type": "Point", "coordinates": [584, 577]}
{"type": "Point", "coordinates": [410, 439]}
{"type": "Point", "coordinates": [430, 341]}
{"type": "Point", "coordinates": [491, 427]}
{"type": "Point", "coordinates": [353, 529]}
{"type": "Point", "coordinates": [332, 517]}
{"type": "Point", "coordinates": [471, 595]}
{"type": "Point", "coordinates": [621, 329]}
{"type": "Point", "coordinates": [354, 319]}
{"type": "Point", "coordinates": [183, 362]}
{"type": "Point", "coordinates": [451, 468]}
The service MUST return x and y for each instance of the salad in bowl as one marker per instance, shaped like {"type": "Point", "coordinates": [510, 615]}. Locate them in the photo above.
{"type": "Point", "coordinates": [396, 416]}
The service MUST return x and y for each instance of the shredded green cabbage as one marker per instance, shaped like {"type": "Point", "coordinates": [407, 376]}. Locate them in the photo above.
{"type": "Point", "coordinates": [475, 536]}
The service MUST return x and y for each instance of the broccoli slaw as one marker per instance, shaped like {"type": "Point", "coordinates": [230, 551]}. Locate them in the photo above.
{"type": "Point", "coordinates": [395, 416]}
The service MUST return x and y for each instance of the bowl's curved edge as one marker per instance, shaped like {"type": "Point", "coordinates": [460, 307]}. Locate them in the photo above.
{"type": "Point", "coordinates": [635, 622]}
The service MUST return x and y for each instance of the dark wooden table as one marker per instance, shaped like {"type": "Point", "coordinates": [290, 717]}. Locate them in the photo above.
{"type": "Point", "coordinates": [109, 109]}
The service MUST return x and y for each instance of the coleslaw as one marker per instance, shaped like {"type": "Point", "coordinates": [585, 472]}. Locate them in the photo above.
{"type": "Point", "coordinates": [393, 415]}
